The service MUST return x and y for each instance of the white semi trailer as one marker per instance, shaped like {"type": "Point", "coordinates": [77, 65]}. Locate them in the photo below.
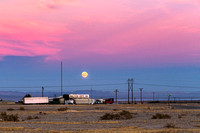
{"type": "Point", "coordinates": [36, 100]}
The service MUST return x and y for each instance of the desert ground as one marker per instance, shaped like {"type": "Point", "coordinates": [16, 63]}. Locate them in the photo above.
{"type": "Point", "coordinates": [147, 118]}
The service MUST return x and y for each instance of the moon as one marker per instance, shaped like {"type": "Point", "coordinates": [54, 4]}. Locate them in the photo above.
{"type": "Point", "coordinates": [84, 74]}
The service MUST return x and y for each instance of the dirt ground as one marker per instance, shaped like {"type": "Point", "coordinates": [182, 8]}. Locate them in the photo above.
{"type": "Point", "coordinates": [86, 118]}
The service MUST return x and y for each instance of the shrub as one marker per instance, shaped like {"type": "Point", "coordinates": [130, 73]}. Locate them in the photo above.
{"type": "Point", "coordinates": [170, 125]}
{"type": "Point", "coordinates": [126, 114]}
{"type": "Point", "coordinates": [21, 108]}
{"type": "Point", "coordinates": [36, 117]}
{"type": "Point", "coordinates": [10, 109]}
{"type": "Point", "coordinates": [161, 116]}
{"type": "Point", "coordinates": [6, 117]}
{"type": "Point", "coordinates": [29, 117]}
{"type": "Point", "coordinates": [63, 109]}
{"type": "Point", "coordinates": [110, 116]}
{"type": "Point", "coordinates": [123, 115]}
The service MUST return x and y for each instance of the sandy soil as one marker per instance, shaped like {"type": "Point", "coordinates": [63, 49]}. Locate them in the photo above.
{"type": "Point", "coordinates": [86, 118]}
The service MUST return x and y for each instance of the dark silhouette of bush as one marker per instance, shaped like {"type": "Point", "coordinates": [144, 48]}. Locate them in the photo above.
{"type": "Point", "coordinates": [126, 114]}
{"type": "Point", "coordinates": [29, 117]}
{"type": "Point", "coordinates": [161, 116]}
{"type": "Point", "coordinates": [123, 115]}
{"type": "Point", "coordinates": [10, 109]}
{"type": "Point", "coordinates": [6, 117]}
{"type": "Point", "coordinates": [21, 108]}
{"type": "Point", "coordinates": [63, 109]}
{"type": "Point", "coordinates": [36, 117]}
{"type": "Point", "coordinates": [170, 125]}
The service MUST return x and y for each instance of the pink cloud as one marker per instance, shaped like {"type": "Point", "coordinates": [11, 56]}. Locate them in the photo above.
{"type": "Point", "coordinates": [137, 31]}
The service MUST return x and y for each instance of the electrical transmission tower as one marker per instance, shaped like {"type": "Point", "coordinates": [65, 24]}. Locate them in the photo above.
{"type": "Point", "coordinates": [116, 94]}
{"type": "Point", "coordinates": [130, 89]}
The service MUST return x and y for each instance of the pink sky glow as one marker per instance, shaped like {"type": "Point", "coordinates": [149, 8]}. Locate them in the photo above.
{"type": "Point", "coordinates": [140, 31]}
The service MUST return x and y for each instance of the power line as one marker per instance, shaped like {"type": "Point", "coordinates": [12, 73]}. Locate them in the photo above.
{"type": "Point", "coordinates": [112, 84]}
{"type": "Point", "coordinates": [164, 85]}
{"type": "Point", "coordinates": [67, 85]}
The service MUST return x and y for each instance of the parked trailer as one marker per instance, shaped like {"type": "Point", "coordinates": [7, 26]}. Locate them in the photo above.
{"type": "Point", "coordinates": [36, 100]}
{"type": "Point", "coordinates": [84, 101]}
{"type": "Point", "coordinates": [79, 96]}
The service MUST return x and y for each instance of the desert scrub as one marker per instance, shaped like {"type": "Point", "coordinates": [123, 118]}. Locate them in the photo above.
{"type": "Point", "coordinates": [10, 109]}
{"type": "Point", "coordinates": [170, 125]}
{"type": "Point", "coordinates": [6, 117]}
{"type": "Point", "coordinates": [161, 116]}
{"type": "Point", "coordinates": [29, 117]}
{"type": "Point", "coordinates": [63, 109]}
{"type": "Point", "coordinates": [21, 108]}
{"type": "Point", "coordinates": [123, 115]}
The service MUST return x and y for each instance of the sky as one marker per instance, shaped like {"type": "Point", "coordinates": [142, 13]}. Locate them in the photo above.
{"type": "Point", "coordinates": [152, 41]}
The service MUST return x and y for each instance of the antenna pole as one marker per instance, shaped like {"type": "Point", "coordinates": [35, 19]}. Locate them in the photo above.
{"type": "Point", "coordinates": [61, 79]}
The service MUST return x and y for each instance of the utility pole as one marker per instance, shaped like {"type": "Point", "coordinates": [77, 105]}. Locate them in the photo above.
{"type": "Point", "coordinates": [132, 90]}
{"type": "Point", "coordinates": [153, 97]}
{"type": "Point", "coordinates": [169, 99]}
{"type": "Point", "coordinates": [116, 94]}
{"type": "Point", "coordinates": [174, 99]}
{"type": "Point", "coordinates": [91, 92]}
{"type": "Point", "coordinates": [128, 90]}
{"type": "Point", "coordinates": [61, 79]}
{"type": "Point", "coordinates": [141, 95]}
{"type": "Point", "coordinates": [42, 91]}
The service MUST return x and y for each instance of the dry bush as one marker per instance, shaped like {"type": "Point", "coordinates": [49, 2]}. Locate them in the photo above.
{"type": "Point", "coordinates": [36, 117]}
{"type": "Point", "coordinates": [6, 117]}
{"type": "Point", "coordinates": [21, 108]}
{"type": "Point", "coordinates": [126, 114]}
{"type": "Point", "coordinates": [182, 115]}
{"type": "Point", "coordinates": [123, 115]}
{"type": "Point", "coordinates": [161, 116]}
{"type": "Point", "coordinates": [170, 125]}
{"type": "Point", "coordinates": [10, 109]}
{"type": "Point", "coordinates": [29, 117]}
{"type": "Point", "coordinates": [63, 109]}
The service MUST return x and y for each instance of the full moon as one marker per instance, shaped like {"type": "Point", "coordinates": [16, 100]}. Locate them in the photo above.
{"type": "Point", "coordinates": [84, 74]}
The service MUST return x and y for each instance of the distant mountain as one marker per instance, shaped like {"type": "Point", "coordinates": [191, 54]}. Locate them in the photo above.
{"type": "Point", "coordinates": [16, 96]}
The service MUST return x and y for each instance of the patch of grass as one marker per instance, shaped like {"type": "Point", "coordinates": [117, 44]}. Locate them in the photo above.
{"type": "Point", "coordinates": [21, 108]}
{"type": "Point", "coordinates": [63, 109]}
{"type": "Point", "coordinates": [123, 115]}
{"type": "Point", "coordinates": [170, 125]}
{"type": "Point", "coordinates": [10, 109]}
{"type": "Point", "coordinates": [6, 117]}
{"type": "Point", "coordinates": [161, 116]}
